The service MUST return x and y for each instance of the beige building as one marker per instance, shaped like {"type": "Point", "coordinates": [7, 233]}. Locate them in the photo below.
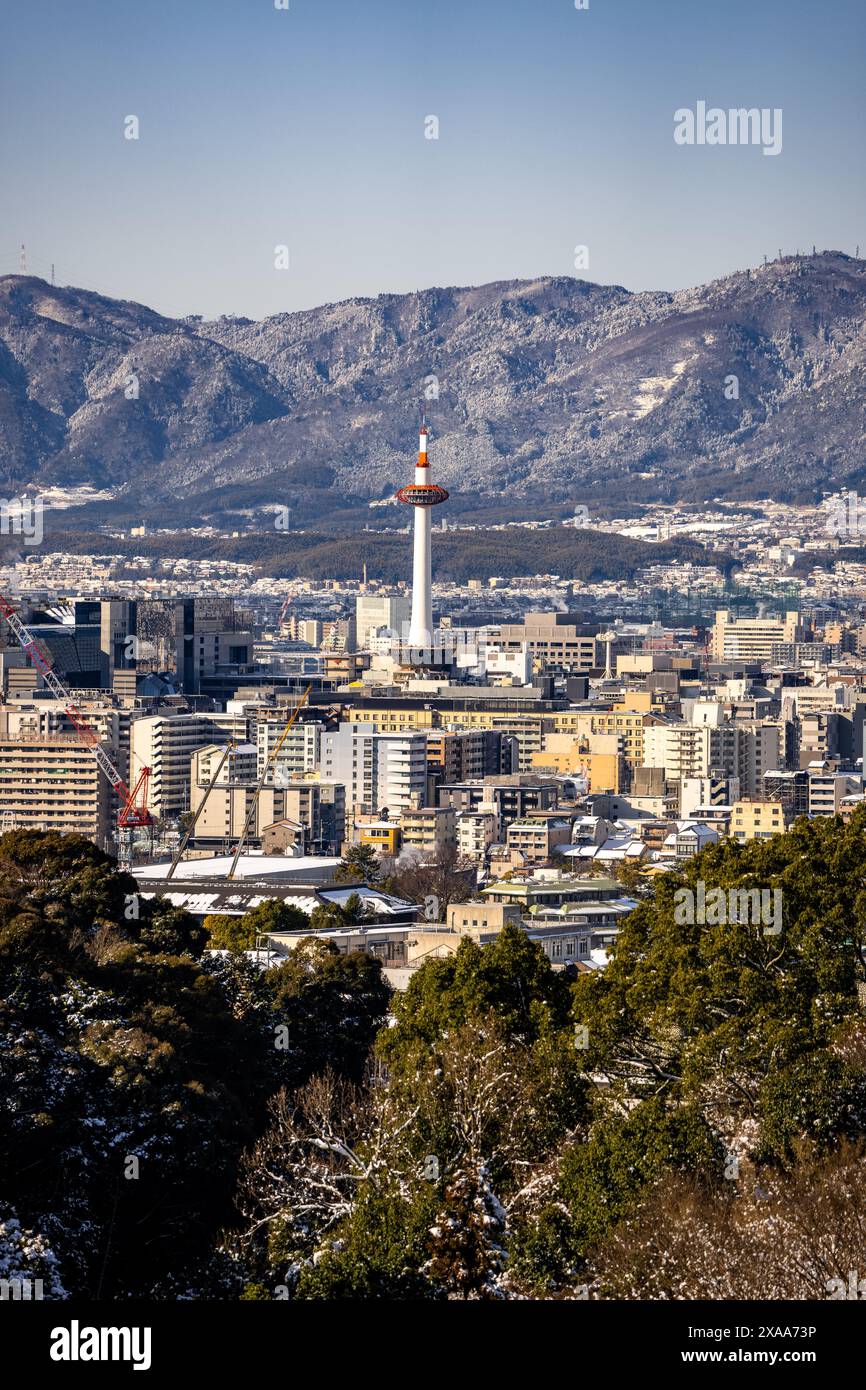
{"type": "Point", "coordinates": [625, 720]}
{"type": "Point", "coordinates": [227, 808]}
{"type": "Point", "coordinates": [482, 916]}
{"type": "Point", "coordinates": [553, 640]}
{"type": "Point", "coordinates": [752, 639]}
{"type": "Point", "coordinates": [598, 757]}
{"type": "Point", "coordinates": [429, 829]}
{"type": "Point", "coordinates": [534, 841]}
{"type": "Point", "coordinates": [54, 783]}
{"type": "Point", "coordinates": [756, 820]}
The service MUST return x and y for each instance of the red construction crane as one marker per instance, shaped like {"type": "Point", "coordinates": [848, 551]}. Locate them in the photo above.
{"type": "Point", "coordinates": [283, 610]}
{"type": "Point", "coordinates": [133, 810]}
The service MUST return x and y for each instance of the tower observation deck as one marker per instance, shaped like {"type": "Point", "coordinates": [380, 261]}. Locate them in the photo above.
{"type": "Point", "coordinates": [422, 494]}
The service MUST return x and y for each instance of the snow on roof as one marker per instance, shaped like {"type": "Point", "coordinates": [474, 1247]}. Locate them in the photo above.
{"type": "Point", "coordinates": [370, 897]}
{"type": "Point", "coordinates": [249, 866]}
{"type": "Point", "coordinates": [205, 904]}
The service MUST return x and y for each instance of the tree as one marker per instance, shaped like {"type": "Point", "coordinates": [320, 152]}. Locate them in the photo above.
{"type": "Point", "coordinates": [228, 933]}
{"type": "Point", "coordinates": [332, 916]}
{"type": "Point", "coordinates": [133, 1074]}
{"type": "Point", "coordinates": [772, 1235]}
{"type": "Point", "coordinates": [450, 878]}
{"type": "Point", "coordinates": [693, 1011]}
{"type": "Point", "coordinates": [275, 915]}
{"type": "Point", "coordinates": [511, 979]}
{"type": "Point", "coordinates": [27, 1260]}
{"type": "Point", "coordinates": [467, 1256]}
{"type": "Point", "coordinates": [332, 1003]}
{"type": "Point", "coordinates": [360, 863]}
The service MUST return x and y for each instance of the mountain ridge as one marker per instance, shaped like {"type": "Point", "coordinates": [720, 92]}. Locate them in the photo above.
{"type": "Point", "coordinates": [751, 385]}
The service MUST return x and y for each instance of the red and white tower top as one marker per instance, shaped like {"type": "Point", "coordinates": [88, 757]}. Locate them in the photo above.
{"type": "Point", "coordinates": [422, 493]}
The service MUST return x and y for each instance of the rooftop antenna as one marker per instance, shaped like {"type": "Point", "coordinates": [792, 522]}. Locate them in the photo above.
{"type": "Point", "coordinates": [22, 260]}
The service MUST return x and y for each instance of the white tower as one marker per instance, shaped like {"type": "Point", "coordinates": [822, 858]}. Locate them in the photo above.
{"type": "Point", "coordinates": [422, 495]}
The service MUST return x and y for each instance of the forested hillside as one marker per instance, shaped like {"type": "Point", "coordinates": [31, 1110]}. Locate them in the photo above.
{"type": "Point", "coordinates": [687, 1124]}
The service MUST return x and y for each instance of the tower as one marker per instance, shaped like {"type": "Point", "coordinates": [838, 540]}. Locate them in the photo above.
{"type": "Point", "coordinates": [422, 495]}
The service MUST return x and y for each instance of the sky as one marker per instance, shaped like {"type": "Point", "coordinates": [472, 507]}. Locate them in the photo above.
{"type": "Point", "coordinates": [307, 128]}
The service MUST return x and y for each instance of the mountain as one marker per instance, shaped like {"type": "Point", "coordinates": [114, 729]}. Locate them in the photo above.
{"type": "Point", "coordinates": [556, 389]}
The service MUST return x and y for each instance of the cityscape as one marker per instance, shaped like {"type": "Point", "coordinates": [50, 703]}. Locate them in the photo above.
{"type": "Point", "coordinates": [433, 738]}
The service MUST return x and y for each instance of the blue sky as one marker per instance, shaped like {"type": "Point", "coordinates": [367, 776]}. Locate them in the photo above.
{"type": "Point", "coordinates": [262, 127]}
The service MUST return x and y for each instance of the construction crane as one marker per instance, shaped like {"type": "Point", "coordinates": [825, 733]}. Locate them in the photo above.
{"type": "Point", "coordinates": [269, 763]}
{"type": "Point", "coordinates": [284, 609]}
{"type": "Point", "coordinates": [179, 852]}
{"type": "Point", "coordinates": [133, 812]}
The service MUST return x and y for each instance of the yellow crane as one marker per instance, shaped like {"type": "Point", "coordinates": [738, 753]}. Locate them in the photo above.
{"type": "Point", "coordinates": [261, 782]}
{"type": "Point", "coordinates": [179, 852]}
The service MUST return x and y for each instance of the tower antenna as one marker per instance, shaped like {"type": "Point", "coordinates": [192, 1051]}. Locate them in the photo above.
{"type": "Point", "coordinates": [22, 262]}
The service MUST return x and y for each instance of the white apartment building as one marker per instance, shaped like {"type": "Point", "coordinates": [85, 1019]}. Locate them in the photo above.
{"type": "Point", "coordinates": [379, 771]}
{"type": "Point", "coordinates": [300, 753]}
{"type": "Point", "coordinates": [827, 790]}
{"type": "Point", "coordinates": [682, 750]}
{"type": "Point", "coordinates": [165, 744]}
{"type": "Point", "coordinates": [239, 765]}
{"type": "Point", "coordinates": [476, 832]}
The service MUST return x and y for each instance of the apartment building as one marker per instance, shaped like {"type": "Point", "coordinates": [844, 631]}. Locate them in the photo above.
{"type": "Point", "coordinates": [511, 797]}
{"type": "Point", "coordinates": [300, 753]}
{"type": "Point", "coordinates": [752, 639]}
{"type": "Point", "coordinates": [223, 815]}
{"type": "Point", "coordinates": [379, 771]}
{"type": "Point", "coordinates": [760, 748]}
{"type": "Point", "coordinates": [555, 641]}
{"type": "Point", "coordinates": [373, 611]}
{"type": "Point", "coordinates": [600, 758]}
{"type": "Point", "coordinates": [625, 720]}
{"type": "Point", "coordinates": [828, 789]}
{"type": "Point", "coordinates": [535, 841]}
{"type": "Point", "coordinates": [165, 743]}
{"type": "Point", "coordinates": [684, 750]}
{"type": "Point", "coordinates": [476, 832]}
{"type": "Point", "coordinates": [465, 755]}
{"type": "Point", "coordinates": [53, 783]}
{"type": "Point", "coordinates": [757, 820]}
{"type": "Point", "coordinates": [382, 835]}
{"type": "Point", "coordinates": [429, 829]}
{"type": "Point", "coordinates": [47, 718]}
